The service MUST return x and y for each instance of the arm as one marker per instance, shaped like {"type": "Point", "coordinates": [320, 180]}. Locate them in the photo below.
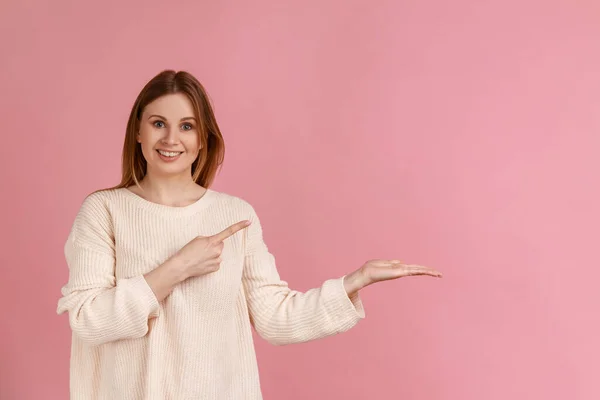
{"type": "Point", "coordinates": [284, 316]}
{"type": "Point", "coordinates": [102, 309]}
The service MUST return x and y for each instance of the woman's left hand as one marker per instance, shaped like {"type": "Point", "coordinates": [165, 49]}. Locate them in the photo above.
{"type": "Point", "coordinates": [382, 270]}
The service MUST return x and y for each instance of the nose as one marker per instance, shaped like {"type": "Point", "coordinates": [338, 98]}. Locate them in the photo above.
{"type": "Point", "coordinates": [171, 136]}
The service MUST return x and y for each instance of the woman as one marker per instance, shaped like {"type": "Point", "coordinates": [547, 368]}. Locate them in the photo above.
{"type": "Point", "coordinates": [166, 276]}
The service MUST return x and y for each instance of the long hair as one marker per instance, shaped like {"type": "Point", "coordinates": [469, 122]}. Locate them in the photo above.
{"type": "Point", "coordinates": [212, 152]}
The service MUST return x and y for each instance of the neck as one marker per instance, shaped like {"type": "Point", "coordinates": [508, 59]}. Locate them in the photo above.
{"type": "Point", "coordinates": [176, 191]}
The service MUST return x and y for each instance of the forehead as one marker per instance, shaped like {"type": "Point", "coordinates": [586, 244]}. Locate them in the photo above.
{"type": "Point", "coordinates": [171, 106]}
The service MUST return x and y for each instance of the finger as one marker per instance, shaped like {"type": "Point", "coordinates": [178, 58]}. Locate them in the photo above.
{"type": "Point", "coordinates": [213, 266]}
{"type": "Point", "coordinates": [384, 263]}
{"type": "Point", "coordinates": [228, 232]}
{"type": "Point", "coordinates": [420, 270]}
{"type": "Point", "coordinates": [397, 264]}
{"type": "Point", "coordinates": [428, 273]}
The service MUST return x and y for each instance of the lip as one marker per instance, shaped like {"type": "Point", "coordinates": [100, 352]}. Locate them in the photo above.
{"type": "Point", "coordinates": [168, 159]}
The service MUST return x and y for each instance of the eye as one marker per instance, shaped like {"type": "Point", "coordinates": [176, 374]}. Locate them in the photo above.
{"type": "Point", "coordinates": [158, 124]}
{"type": "Point", "coordinates": [187, 127]}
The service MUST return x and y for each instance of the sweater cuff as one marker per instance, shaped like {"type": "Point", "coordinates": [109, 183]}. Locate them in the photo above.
{"type": "Point", "coordinates": [346, 310]}
{"type": "Point", "coordinates": [354, 299]}
{"type": "Point", "coordinates": [147, 296]}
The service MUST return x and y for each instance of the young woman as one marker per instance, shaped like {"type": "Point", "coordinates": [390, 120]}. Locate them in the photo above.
{"type": "Point", "coordinates": [167, 277]}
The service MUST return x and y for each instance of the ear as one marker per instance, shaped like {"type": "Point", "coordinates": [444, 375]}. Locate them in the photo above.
{"type": "Point", "coordinates": [138, 138]}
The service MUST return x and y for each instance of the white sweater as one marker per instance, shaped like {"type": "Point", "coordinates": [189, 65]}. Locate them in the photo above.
{"type": "Point", "coordinates": [197, 343]}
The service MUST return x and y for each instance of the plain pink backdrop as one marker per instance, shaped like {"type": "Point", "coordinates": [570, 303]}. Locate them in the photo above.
{"type": "Point", "coordinates": [462, 135]}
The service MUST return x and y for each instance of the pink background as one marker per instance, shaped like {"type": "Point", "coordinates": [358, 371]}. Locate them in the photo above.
{"type": "Point", "coordinates": [461, 135]}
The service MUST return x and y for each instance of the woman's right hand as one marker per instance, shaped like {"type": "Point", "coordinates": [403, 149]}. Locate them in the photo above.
{"type": "Point", "coordinates": [202, 255]}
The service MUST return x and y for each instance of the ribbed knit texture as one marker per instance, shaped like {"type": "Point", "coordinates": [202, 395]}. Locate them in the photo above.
{"type": "Point", "coordinates": [197, 343]}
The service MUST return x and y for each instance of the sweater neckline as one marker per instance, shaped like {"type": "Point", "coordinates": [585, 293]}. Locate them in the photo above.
{"type": "Point", "coordinates": [192, 208]}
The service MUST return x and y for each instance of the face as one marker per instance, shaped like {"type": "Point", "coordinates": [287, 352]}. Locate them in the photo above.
{"type": "Point", "coordinates": [169, 136]}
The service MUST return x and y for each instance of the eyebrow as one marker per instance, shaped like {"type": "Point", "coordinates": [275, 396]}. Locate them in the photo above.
{"type": "Point", "coordinates": [161, 117]}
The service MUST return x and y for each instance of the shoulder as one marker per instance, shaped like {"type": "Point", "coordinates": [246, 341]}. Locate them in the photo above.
{"type": "Point", "coordinates": [97, 209]}
{"type": "Point", "coordinates": [100, 202]}
{"type": "Point", "coordinates": [93, 221]}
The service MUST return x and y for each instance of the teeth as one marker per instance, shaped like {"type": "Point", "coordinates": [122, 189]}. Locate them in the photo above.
{"type": "Point", "coordinates": [169, 153]}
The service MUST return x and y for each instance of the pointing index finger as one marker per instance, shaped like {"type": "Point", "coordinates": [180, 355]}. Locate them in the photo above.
{"type": "Point", "coordinates": [230, 231]}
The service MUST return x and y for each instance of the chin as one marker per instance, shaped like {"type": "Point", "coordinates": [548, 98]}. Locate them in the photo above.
{"type": "Point", "coordinates": [176, 168]}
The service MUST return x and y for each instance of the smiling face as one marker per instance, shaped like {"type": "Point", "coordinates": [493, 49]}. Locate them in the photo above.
{"type": "Point", "coordinates": [169, 136]}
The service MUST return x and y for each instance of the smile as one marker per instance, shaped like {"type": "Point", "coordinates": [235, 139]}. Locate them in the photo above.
{"type": "Point", "coordinates": [169, 153]}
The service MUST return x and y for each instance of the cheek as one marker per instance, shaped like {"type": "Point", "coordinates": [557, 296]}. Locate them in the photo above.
{"type": "Point", "coordinates": [145, 140]}
{"type": "Point", "coordinates": [148, 137]}
{"type": "Point", "coordinates": [192, 144]}
{"type": "Point", "coordinates": [142, 136]}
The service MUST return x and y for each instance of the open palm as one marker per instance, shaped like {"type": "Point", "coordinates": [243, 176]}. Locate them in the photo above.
{"type": "Point", "coordinates": [374, 271]}
{"type": "Point", "coordinates": [383, 270]}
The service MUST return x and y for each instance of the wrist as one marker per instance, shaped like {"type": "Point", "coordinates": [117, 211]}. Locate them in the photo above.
{"type": "Point", "coordinates": [176, 269]}
{"type": "Point", "coordinates": [163, 279]}
{"type": "Point", "coordinates": [354, 282]}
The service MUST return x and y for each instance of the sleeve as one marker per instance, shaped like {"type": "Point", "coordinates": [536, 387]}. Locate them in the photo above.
{"type": "Point", "coordinates": [101, 308]}
{"type": "Point", "coordinates": [283, 316]}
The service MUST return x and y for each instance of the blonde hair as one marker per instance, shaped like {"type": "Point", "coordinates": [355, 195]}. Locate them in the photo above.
{"type": "Point", "coordinates": [212, 152]}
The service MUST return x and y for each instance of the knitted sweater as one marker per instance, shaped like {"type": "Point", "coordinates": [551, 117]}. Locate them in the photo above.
{"type": "Point", "coordinates": [197, 343]}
